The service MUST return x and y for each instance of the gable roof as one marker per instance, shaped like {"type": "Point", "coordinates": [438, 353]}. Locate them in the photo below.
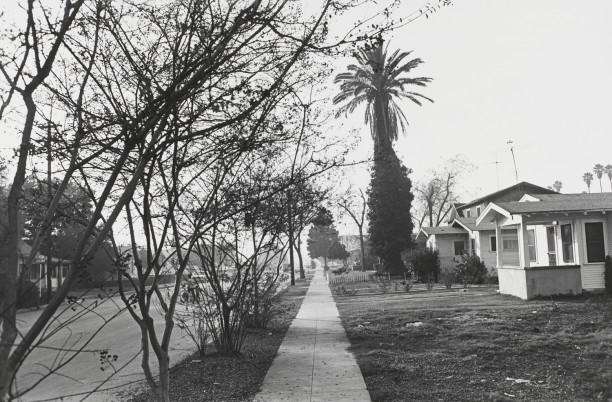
{"type": "Point", "coordinates": [561, 203]}
{"type": "Point", "coordinates": [470, 224]}
{"type": "Point", "coordinates": [550, 203]}
{"type": "Point", "coordinates": [522, 186]}
{"type": "Point", "coordinates": [428, 231]}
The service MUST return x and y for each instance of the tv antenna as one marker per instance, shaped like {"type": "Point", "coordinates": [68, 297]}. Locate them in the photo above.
{"type": "Point", "coordinates": [513, 160]}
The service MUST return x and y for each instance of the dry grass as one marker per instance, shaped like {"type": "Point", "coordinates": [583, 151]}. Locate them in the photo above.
{"type": "Point", "coordinates": [222, 378]}
{"type": "Point", "coordinates": [478, 345]}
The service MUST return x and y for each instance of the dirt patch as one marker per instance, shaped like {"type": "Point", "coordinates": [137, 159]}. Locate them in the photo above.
{"type": "Point", "coordinates": [223, 378]}
{"type": "Point", "coordinates": [479, 345]}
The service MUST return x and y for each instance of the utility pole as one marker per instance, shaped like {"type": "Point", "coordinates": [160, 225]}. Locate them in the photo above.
{"type": "Point", "coordinates": [513, 160]}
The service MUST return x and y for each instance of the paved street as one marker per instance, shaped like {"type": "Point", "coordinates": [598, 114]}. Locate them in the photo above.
{"type": "Point", "coordinates": [121, 337]}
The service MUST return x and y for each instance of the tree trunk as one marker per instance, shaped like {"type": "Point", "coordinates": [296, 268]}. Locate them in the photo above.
{"type": "Point", "coordinates": [361, 243]}
{"type": "Point", "coordinates": [298, 249]}
{"type": "Point", "coordinates": [291, 245]}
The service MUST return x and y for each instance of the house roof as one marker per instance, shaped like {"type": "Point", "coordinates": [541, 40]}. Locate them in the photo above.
{"type": "Point", "coordinates": [551, 203]}
{"type": "Point", "coordinates": [522, 186]}
{"type": "Point", "coordinates": [470, 224]}
{"type": "Point", "coordinates": [428, 231]}
{"type": "Point", "coordinates": [561, 203]}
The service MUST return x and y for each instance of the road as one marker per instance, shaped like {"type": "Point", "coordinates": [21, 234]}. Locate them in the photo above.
{"type": "Point", "coordinates": [119, 336]}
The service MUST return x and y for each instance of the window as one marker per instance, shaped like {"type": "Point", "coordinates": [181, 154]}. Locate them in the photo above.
{"type": "Point", "coordinates": [477, 211]}
{"type": "Point", "coordinates": [459, 247]}
{"type": "Point", "coordinates": [566, 243]}
{"type": "Point", "coordinates": [531, 245]}
{"type": "Point", "coordinates": [510, 241]}
{"type": "Point", "coordinates": [593, 232]}
{"type": "Point", "coordinates": [473, 246]}
{"type": "Point", "coordinates": [468, 213]}
{"type": "Point", "coordinates": [493, 243]}
{"type": "Point", "coordinates": [65, 271]}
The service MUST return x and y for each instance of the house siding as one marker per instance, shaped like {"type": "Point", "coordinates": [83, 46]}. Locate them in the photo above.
{"type": "Point", "coordinates": [484, 248]}
{"type": "Point", "coordinates": [592, 274]}
{"type": "Point", "coordinates": [444, 245]}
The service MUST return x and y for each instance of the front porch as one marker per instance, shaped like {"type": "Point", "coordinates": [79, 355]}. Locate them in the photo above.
{"type": "Point", "coordinates": [544, 253]}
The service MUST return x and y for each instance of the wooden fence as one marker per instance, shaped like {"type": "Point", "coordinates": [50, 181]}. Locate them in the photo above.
{"type": "Point", "coordinates": [353, 276]}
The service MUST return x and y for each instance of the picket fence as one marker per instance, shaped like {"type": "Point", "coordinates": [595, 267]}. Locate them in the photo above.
{"type": "Point", "coordinates": [350, 277]}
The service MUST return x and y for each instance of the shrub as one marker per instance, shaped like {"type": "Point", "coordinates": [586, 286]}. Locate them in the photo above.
{"type": "Point", "coordinates": [383, 281]}
{"type": "Point", "coordinates": [424, 263]}
{"type": "Point", "coordinates": [28, 294]}
{"type": "Point", "coordinates": [608, 275]}
{"type": "Point", "coordinates": [339, 271]}
{"type": "Point", "coordinates": [470, 270]}
{"type": "Point", "coordinates": [448, 277]}
{"type": "Point", "coordinates": [407, 285]}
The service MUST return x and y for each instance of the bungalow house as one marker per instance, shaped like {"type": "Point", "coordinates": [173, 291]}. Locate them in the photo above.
{"type": "Point", "coordinates": [36, 271]}
{"type": "Point", "coordinates": [462, 235]}
{"type": "Point", "coordinates": [550, 244]}
{"type": "Point", "coordinates": [450, 242]}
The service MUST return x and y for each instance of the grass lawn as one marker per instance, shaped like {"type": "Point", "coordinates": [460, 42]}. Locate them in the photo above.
{"type": "Point", "coordinates": [479, 345]}
{"type": "Point", "coordinates": [223, 378]}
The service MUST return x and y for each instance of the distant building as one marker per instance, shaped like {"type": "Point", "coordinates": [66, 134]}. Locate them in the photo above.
{"type": "Point", "coordinates": [36, 272]}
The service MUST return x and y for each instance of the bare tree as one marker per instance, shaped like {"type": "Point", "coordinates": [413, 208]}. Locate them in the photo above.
{"type": "Point", "coordinates": [435, 195]}
{"type": "Point", "coordinates": [356, 207]}
{"type": "Point", "coordinates": [136, 88]}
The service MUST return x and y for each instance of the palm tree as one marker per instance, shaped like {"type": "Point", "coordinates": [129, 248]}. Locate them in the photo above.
{"type": "Point", "coordinates": [598, 169]}
{"type": "Point", "coordinates": [588, 178]}
{"type": "Point", "coordinates": [376, 81]}
{"type": "Point", "coordinates": [608, 172]}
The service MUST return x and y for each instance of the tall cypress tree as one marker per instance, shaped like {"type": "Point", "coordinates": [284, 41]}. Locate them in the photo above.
{"type": "Point", "coordinates": [389, 201]}
{"type": "Point", "coordinates": [378, 80]}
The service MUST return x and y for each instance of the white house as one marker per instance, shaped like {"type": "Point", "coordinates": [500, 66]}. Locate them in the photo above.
{"type": "Point", "coordinates": [550, 244]}
{"type": "Point", "coordinates": [37, 269]}
{"type": "Point", "coordinates": [462, 235]}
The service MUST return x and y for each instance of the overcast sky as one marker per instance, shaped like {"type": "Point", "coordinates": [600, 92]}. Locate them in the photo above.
{"type": "Point", "coordinates": [537, 73]}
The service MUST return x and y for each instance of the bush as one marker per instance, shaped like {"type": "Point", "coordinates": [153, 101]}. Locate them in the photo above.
{"type": "Point", "coordinates": [448, 277]}
{"type": "Point", "coordinates": [608, 275]}
{"type": "Point", "coordinates": [424, 263]}
{"type": "Point", "coordinates": [28, 294]}
{"type": "Point", "coordinates": [470, 270]}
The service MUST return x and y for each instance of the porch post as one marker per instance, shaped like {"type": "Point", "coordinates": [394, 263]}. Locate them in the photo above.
{"type": "Point", "coordinates": [523, 245]}
{"type": "Point", "coordinates": [498, 240]}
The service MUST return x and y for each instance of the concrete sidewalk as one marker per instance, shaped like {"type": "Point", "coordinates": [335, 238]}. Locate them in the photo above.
{"type": "Point", "coordinates": [313, 363]}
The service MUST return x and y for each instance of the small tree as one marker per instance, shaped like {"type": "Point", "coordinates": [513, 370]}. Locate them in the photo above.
{"type": "Point", "coordinates": [470, 270]}
{"type": "Point", "coordinates": [425, 263]}
{"type": "Point", "coordinates": [337, 251]}
{"type": "Point", "coordinates": [320, 240]}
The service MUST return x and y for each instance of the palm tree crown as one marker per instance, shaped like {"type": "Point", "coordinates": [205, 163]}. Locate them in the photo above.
{"type": "Point", "coordinates": [598, 169]}
{"type": "Point", "coordinates": [375, 80]}
{"type": "Point", "coordinates": [608, 171]}
{"type": "Point", "coordinates": [588, 178]}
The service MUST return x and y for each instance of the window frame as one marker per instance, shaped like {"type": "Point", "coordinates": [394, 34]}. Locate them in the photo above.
{"type": "Point", "coordinates": [493, 243]}
{"type": "Point", "coordinates": [455, 248]}
{"type": "Point", "coordinates": [604, 240]}
{"type": "Point", "coordinates": [534, 257]}
{"type": "Point", "coordinates": [572, 248]}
